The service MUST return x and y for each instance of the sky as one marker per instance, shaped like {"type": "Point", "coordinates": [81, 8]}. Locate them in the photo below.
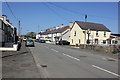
{"type": "Point", "coordinates": [37, 16]}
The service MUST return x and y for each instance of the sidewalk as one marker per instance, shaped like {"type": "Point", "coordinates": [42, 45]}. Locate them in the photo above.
{"type": "Point", "coordinates": [19, 64]}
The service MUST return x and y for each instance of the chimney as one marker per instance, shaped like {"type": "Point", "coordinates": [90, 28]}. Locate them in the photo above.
{"type": "Point", "coordinates": [57, 27]}
{"type": "Point", "coordinates": [4, 17]}
{"type": "Point", "coordinates": [61, 25]}
{"type": "Point", "coordinates": [7, 20]}
{"type": "Point", "coordinates": [70, 24]}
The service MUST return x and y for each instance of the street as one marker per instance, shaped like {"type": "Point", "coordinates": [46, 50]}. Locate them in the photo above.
{"type": "Point", "coordinates": [55, 61]}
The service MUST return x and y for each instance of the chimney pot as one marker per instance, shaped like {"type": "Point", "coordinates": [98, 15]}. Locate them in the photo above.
{"type": "Point", "coordinates": [70, 24]}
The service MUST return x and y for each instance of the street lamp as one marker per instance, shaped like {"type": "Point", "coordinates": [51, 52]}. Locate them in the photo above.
{"type": "Point", "coordinates": [88, 32]}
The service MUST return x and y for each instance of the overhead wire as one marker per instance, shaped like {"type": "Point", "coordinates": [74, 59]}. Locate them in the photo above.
{"type": "Point", "coordinates": [76, 12]}
{"type": "Point", "coordinates": [54, 11]}
{"type": "Point", "coordinates": [11, 10]}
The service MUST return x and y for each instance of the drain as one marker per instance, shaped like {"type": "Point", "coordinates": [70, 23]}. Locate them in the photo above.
{"type": "Point", "coordinates": [13, 60]}
{"type": "Point", "coordinates": [43, 65]}
{"type": "Point", "coordinates": [25, 65]}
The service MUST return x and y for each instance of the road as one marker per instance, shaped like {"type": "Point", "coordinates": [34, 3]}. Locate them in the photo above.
{"type": "Point", "coordinates": [64, 62]}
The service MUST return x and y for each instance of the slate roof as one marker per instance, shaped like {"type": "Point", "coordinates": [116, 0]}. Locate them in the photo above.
{"type": "Point", "coordinates": [116, 35]}
{"type": "Point", "coordinates": [92, 26]}
{"type": "Point", "coordinates": [59, 30]}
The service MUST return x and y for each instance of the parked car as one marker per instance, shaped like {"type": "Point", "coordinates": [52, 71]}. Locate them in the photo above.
{"type": "Point", "coordinates": [29, 43]}
{"type": "Point", "coordinates": [42, 41]}
{"type": "Point", "coordinates": [37, 40]}
{"type": "Point", "coordinates": [24, 39]}
{"type": "Point", "coordinates": [64, 42]}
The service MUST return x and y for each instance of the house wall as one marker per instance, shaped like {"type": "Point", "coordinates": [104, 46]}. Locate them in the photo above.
{"type": "Point", "coordinates": [44, 37]}
{"type": "Point", "coordinates": [37, 36]}
{"type": "Point", "coordinates": [55, 35]}
{"type": "Point", "coordinates": [1, 39]}
{"type": "Point", "coordinates": [115, 39]}
{"type": "Point", "coordinates": [81, 37]}
{"type": "Point", "coordinates": [50, 37]}
{"type": "Point", "coordinates": [66, 35]}
{"type": "Point", "coordinates": [7, 30]}
{"type": "Point", "coordinates": [100, 36]}
{"type": "Point", "coordinates": [1, 32]}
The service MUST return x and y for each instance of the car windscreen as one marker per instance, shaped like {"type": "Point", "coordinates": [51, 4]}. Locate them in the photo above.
{"type": "Point", "coordinates": [29, 41]}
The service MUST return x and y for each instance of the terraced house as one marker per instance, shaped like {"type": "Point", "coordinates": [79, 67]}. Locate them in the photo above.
{"type": "Point", "coordinates": [8, 33]}
{"type": "Point", "coordinates": [56, 33]}
{"type": "Point", "coordinates": [89, 33]}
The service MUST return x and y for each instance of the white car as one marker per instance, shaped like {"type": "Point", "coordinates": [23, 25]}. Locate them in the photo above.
{"type": "Point", "coordinates": [24, 39]}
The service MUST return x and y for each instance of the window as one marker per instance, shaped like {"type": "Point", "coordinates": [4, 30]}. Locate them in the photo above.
{"type": "Point", "coordinates": [72, 40]}
{"type": "Point", "coordinates": [75, 33]}
{"type": "Point", "coordinates": [96, 33]}
{"type": "Point", "coordinates": [104, 33]}
{"type": "Point", "coordinates": [96, 41]}
{"type": "Point", "coordinates": [116, 42]}
{"type": "Point", "coordinates": [79, 40]}
{"type": "Point", "coordinates": [113, 41]}
{"type": "Point", "coordinates": [104, 41]}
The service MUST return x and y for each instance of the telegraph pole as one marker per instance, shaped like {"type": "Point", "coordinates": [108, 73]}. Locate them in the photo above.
{"type": "Point", "coordinates": [85, 31]}
{"type": "Point", "coordinates": [19, 29]}
{"type": "Point", "coordinates": [85, 17]}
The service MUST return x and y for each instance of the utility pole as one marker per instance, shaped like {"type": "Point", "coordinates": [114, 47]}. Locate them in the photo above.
{"type": "Point", "coordinates": [19, 29]}
{"type": "Point", "coordinates": [85, 17]}
{"type": "Point", "coordinates": [85, 31]}
{"type": "Point", "coordinates": [88, 32]}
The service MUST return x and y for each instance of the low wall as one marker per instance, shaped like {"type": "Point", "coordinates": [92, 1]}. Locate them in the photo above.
{"type": "Point", "coordinates": [103, 48]}
{"type": "Point", "coordinates": [14, 48]}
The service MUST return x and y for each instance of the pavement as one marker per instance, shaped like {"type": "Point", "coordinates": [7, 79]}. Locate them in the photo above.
{"type": "Point", "coordinates": [68, 62]}
{"type": "Point", "coordinates": [19, 64]}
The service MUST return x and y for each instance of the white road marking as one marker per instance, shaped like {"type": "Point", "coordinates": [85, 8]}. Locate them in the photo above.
{"type": "Point", "coordinates": [106, 70]}
{"type": "Point", "coordinates": [54, 50]}
{"type": "Point", "coordinates": [71, 57]}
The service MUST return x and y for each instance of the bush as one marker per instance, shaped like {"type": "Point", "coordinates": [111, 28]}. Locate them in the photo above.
{"type": "Point", "coordinates": [114, 52]}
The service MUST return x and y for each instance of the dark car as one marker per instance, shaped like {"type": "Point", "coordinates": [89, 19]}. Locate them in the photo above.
{"type": "Point", "coordinates": [37, 40]}
{"type": "Point", "coordinates": [29, 43]}
{"type": "Point", "coordinates": [42, 41]}
{"type": "Point", "coordinates": [64, 42]}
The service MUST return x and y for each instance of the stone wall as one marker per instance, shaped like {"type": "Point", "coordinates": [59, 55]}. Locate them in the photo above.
{"type": "Point", "coordinates": [103, 48]}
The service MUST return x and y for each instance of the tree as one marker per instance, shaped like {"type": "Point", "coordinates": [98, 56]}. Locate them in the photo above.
{"type": "Point", "coordinates": [31, 35]}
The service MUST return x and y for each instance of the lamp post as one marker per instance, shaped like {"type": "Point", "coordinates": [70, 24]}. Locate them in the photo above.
{"type": "Point", "coordinates": [88, 32]}
{"type": "Point", "coordinates": [85, 38]}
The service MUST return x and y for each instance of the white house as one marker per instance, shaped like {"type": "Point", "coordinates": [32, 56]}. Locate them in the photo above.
{"type": "Point", "coordinates": [8, 33]}
{"type": "Point", "coordinates": [88, 33]}
{"type": "Point", "coordinates": [56, 33]}
{"type": "Point", "coordinates": [115, 39]}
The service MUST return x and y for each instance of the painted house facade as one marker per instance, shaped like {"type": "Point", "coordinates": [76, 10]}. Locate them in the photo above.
{"type": "Point", "coordinates": [8, 33]}
{"type": "Point", "coordinates": [56, 34]}
{"type": "Point", "coordinates": [115, 39]}
{"type": "Point", "coordinates": [88, 33]}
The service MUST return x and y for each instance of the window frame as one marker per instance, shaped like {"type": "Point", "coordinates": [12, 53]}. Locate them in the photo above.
{"type": "Point", "coordinates": [104, 33]}
{"type": "Point", "coordinates": [97, 33]}
{"type": "Point", "coordinates": [74, 33]}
